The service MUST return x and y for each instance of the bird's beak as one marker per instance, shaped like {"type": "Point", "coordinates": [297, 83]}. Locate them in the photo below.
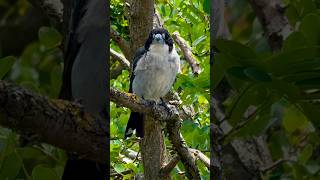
{"type": "Point", "coordinates": [158, 38]}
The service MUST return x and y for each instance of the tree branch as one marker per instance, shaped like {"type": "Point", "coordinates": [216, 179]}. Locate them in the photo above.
{"type": "Point", "coordinates": [173, 124]}
{"type": "Point", "coordinates": [56, 122]}
{"type": "Point", "coordinates": [123, 61]}
{"type": "Point", "coordinates": [53, 8]}
{"type": "Point", "coordinates": [186, 50]}
{"type": "Point", "coordinates": [201, 156]}
{"type": "Point", "coordinates": [166, 169]}
{"type": "Point", "coordinates": [272, 18]}
{"type": "Point", "coordinates": [122, 43]}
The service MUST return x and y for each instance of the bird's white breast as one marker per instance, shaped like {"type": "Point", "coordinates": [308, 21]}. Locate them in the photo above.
{"type": "Point", "coordinates": [155, 72]}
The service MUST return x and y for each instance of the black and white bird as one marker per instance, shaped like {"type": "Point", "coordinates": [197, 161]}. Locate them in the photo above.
{"type": "Point", "coordinates": [155, 67]}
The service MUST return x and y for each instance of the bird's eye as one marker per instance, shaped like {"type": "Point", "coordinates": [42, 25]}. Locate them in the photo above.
{"type": "Point", "coordinates": [164, 36]}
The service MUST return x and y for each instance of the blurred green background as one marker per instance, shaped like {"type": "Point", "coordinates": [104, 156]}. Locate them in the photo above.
{"type": "Point", "coordinates": [29, 56]}
{"type": "Point", "coordinates": [283, 86]}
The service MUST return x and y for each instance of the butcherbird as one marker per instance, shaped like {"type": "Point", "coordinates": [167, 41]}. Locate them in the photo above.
{"type": "Point", "coordinates": [155, 67]}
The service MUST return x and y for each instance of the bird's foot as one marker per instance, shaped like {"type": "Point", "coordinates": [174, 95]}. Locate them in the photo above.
{"type": "Point", "coordinates": [165, 105]}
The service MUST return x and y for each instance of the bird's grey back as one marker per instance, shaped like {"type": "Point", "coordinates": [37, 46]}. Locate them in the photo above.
{"type": "Point", "coordinates": [89, 72]}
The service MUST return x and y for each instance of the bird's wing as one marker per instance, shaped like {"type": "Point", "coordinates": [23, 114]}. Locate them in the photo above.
{"type": "Point", "coordinates": [139, 53]}
{"type": "Point", "coordinates": [71, 46]}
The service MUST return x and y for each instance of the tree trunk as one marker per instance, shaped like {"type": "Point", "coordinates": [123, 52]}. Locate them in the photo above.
{"type": "Point", "coordinates": [152, 148]}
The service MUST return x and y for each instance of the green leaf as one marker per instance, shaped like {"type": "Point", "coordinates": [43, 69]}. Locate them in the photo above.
{"type": "Point", "coordinates": [119, 168]}
{"type": "Point", "coordinates": [313, 83]}
{"type": "Point", "coordinates": [310, 27]}
{"type": "Point", "coordinates": [305, 154]}
{"type": "Point", "coordinates": [258, 124]}
{"type": "Point", "coordinates": [236, 78]}
{"type": "Point", "coordinates": [5, 65]}
{"type": "Point", "coordinates": [40, 173]}
{"type": "Point", "coordinates": [257, 74]}
{"type": "Point", "coordinates": [254, 95]}
{"type": "Point", "coordinates": [206, 6]}
{"type": "Point", "coordinates": [200, 39]}
{"type": "Point", "coordinates": [11, 166]}
{"type": "Point", "coordinates": [294, 119]}
{"type": "Point", "coordinates": [311, 111]}
{"type": "Point", "coordinates": [294, 41]}
{"type": "Point", "coordinates": [49, 37]}
{"type": "Point", "coordinates": [235, 49]}
{"type": "Point", "coordinates": [279, 64]}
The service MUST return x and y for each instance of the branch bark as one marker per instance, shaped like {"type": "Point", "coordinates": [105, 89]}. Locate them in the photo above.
{"type": "Point", "coordinates": [173, 123]}
{"type": "Point", "coordinates": [122, 60]}
{"type": "Point", "coordinates": [275, 24]}
{"type": "Point", "coordinates": [53, 8]}
{"type": "Point", "coordinates": [122, 43]}
{"type": "Point", "coordinates": [56, 122]}
{"type": "Point", "coordinates": [186, 50]}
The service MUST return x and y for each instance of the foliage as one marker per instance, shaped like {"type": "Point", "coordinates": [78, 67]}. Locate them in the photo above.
{"type": "Point", "coordinates": [282, 86]}
{"type": "Point", "coordinates": [191, 20]}
{"type": "Point", "coordinates": [39, 68]}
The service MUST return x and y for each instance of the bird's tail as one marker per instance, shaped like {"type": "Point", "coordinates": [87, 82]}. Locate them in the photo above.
{"type": "Point", "coordinates": [135, 123]}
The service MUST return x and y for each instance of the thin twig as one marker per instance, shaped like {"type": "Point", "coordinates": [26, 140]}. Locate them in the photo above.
{"type": "Point", "coordinates": [186, 50]}
{"type": "Point", "coordinates": [122, 60]}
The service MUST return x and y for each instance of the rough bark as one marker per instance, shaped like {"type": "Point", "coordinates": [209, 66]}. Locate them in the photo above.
{"type": "Point", "coordinates": [53, 8]}
{"type": "Point", "coordinates": [275, 24]}
{"type": "Point", "coordinates": [141, 14]}
{"type": "Point", "coordinates": [186, 50]}
{"type": "Point", "coordinates": [122, 43]}
{"type": "Point", "coordinates": [56, 122]}
{"type": "Point", "coordinates": [173, 123]}
{"type": "Point", "coordinates": [152, 148]}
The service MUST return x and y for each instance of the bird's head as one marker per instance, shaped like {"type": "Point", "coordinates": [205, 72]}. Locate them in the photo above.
{"type": "Point", "coordinates": [159, 36]}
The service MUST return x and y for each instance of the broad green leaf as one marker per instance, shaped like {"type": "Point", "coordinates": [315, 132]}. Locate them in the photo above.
{"type": "Point", "coordinates": [10, 166]}
{"type": "Point", "coordinates": [200, 39]}
{"type": "Point", "coordinates": [257, 74]}
{"type": "Point", "coordinates": [305, 154]}
{"type": "Point", "coordinates": [237, 78]}
{"type": "Point", "coordinates": [310, 27]}
{"type": "Point", "coordinates": [257, 124]}
{"type": "Point", "coordinates": [49, 37]}
{"type": "Point", "coordinates": [235, 49]}
{"type": "Point", "coordinates": [222, 62]}
{"type": "Point", "coordinates": [40, 173]}
{"type": "Point", "coordinates": [294, 41]}
{"type": "Point", "coordinates": [278, 64]}
{"type": "Point", "coordinates": [294, 119]}
{"type": "Point", "coordinates": [254, 95]}
{"type": "Point", "coordinates": [5, 65]}
{"type": "Point", "coordinates": [313, 83]}
{"type": "Point", "coordinates": [311, 111]}
{"type": "Point", "coordinates": [206, 6]}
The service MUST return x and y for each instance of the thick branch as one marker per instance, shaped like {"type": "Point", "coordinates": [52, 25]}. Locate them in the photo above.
{"type": "Point", "coordinates": [56, 122]}
{"type": "Point", "coordinates": [166, 169]}
{"type": "Point", "coordinates": [122, 43]}
{"type": "Point", "coordinates": [172, 120]}
{"type": "Point", "coordinates": [201, 157]}
{"type": "Point", "coordinates": [186, 50]}
{"type": "Point", "coordinates": [272, 18]}
{"type": "Point", "coordinates": [53, 8]}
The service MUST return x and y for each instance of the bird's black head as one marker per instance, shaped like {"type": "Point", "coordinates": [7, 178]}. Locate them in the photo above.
{"type": "Point", "coordinates": [159, 35]}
